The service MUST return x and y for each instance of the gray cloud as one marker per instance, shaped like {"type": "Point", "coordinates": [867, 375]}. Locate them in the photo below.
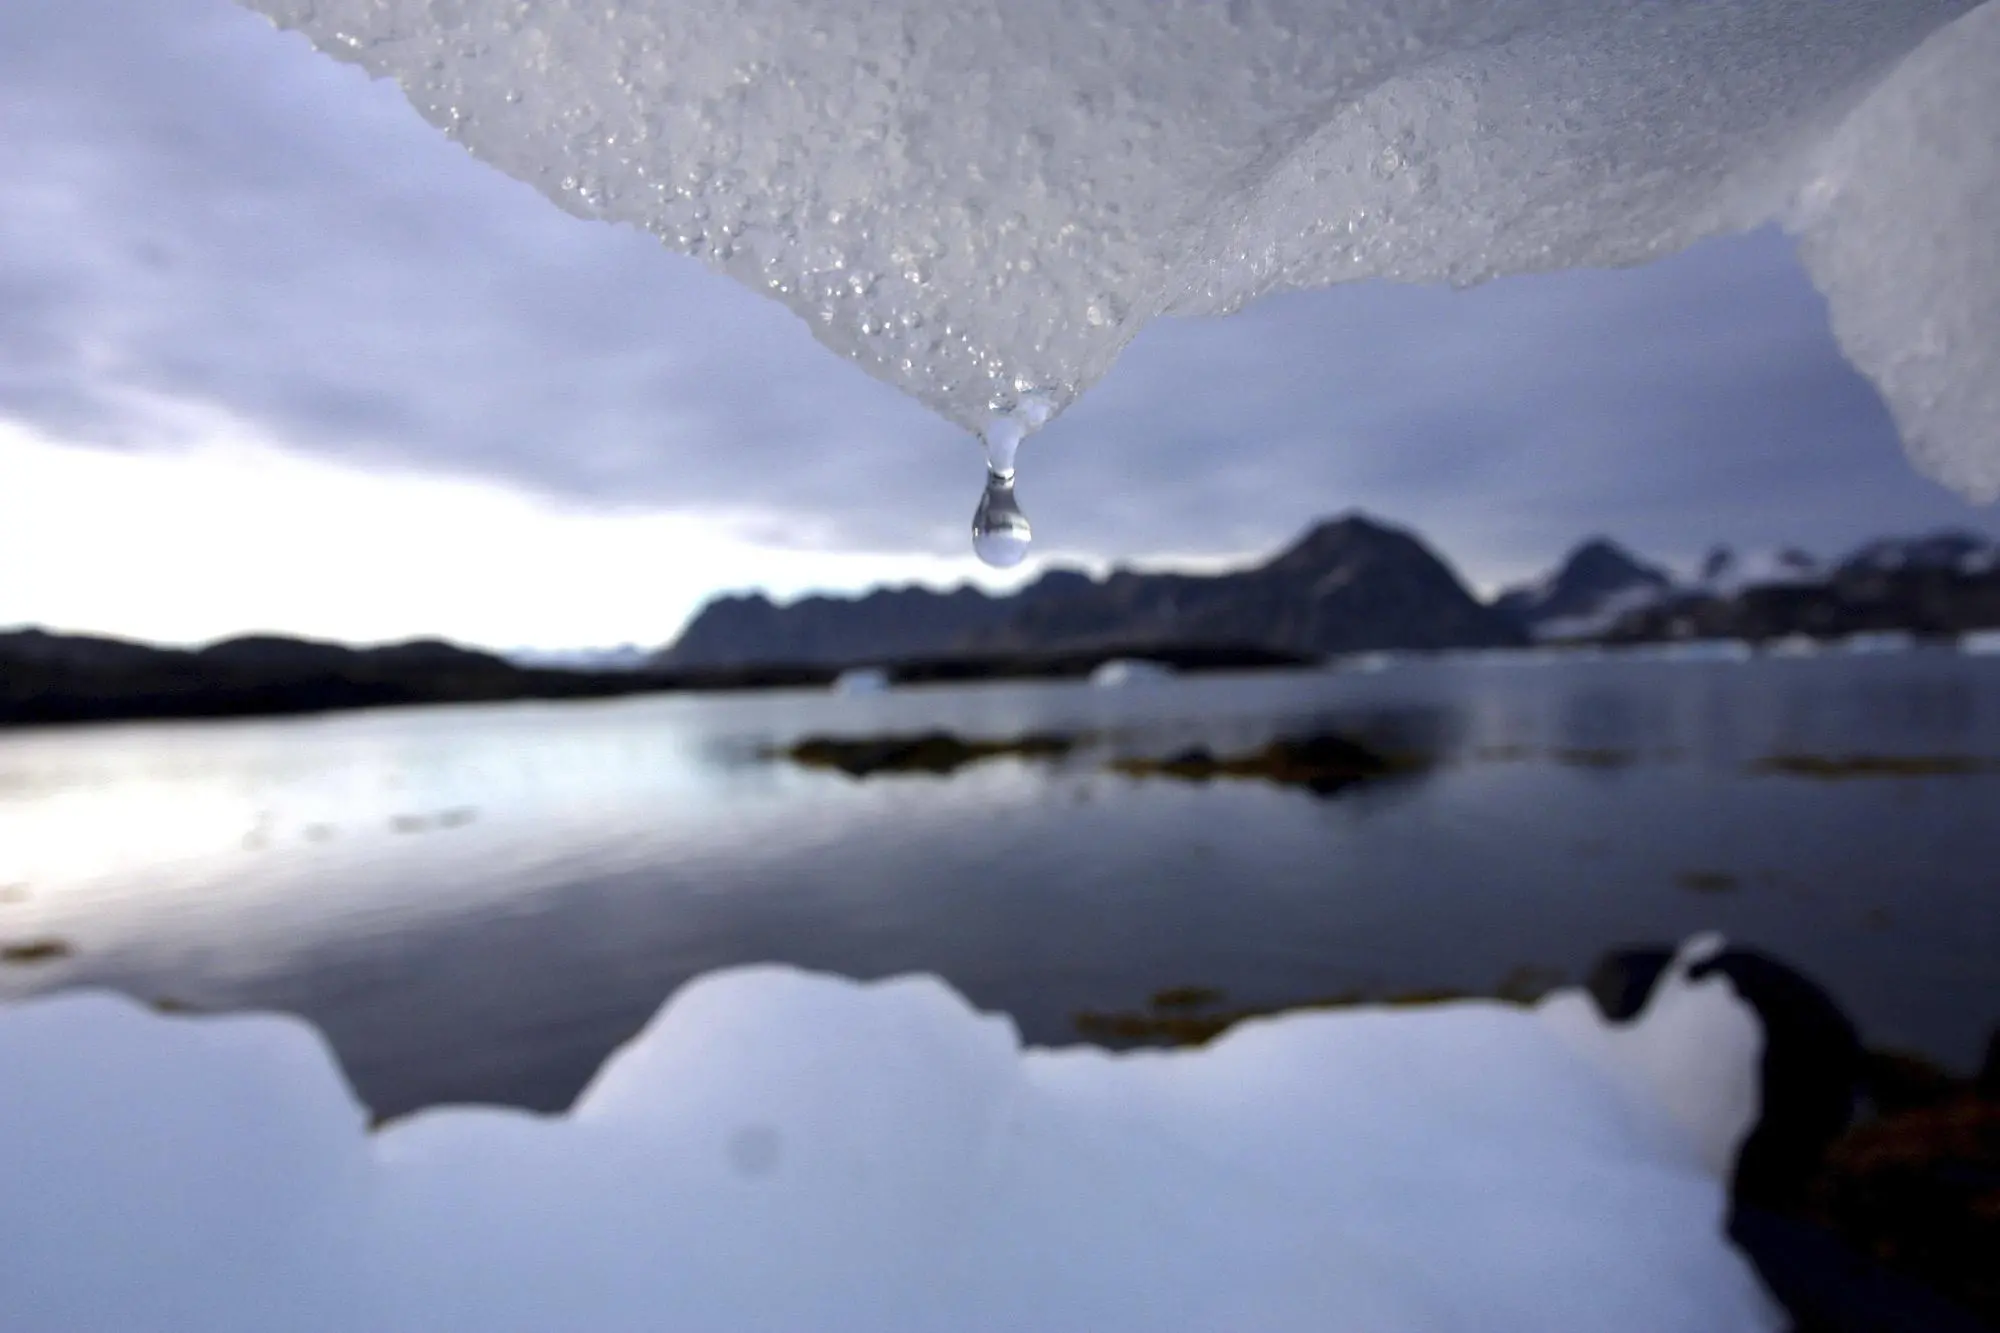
{"type": "Point", "coordinates": [197, 209]}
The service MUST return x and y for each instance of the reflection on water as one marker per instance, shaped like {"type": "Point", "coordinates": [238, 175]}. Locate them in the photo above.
{"type": "Point", "coordinates": [478, 903]}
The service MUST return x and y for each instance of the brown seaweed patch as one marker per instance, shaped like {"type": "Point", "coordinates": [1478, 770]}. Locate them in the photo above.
{"type": "Point", "coordinates": [1158, 1029]}
{"type": "Point", "coordinates": [1322, 764]}
{"type": "Point", "coordinates": [937, 753]}
{"type": "Point", "coordinates": [1187, 997]}
{"type": "Point", "coordinates": [1175, 1016]}
{"type": "Point", "coordinates": [36, 951]}
{"type": "Point", "coordinates": [1830, 768]}
{"type": "Point", "coordinates": [1919, 1191]}
{"type": "Point", "coordinates": [1708, 881]}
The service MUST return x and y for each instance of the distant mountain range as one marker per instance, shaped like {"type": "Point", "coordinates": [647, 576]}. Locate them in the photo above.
{"type": "Point", "coordinates": [1938, 585]}
{"type": "Point", "coordinates": [76, 677]}
{"type": "Point", "coordinates": [1348, 585]}
{"type": "Point", "coordinates": [1353, 584]}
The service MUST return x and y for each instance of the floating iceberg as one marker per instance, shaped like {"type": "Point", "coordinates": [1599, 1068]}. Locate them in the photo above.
{"type": "Point", "coordinates": [982, 203]}
{"type": "Point", "coordinates": [1123, 671]}
{"type": "Point", "coordinates": [1367, 664]}
{"type": "Point", "coordinates": [784, 1151]}
{"type": "Point", "coordinates": [861, 680]}
{"type": "Point", "coordinates": [1697, 650]}
{"type": "Point", "coordinates": [1877, 642]}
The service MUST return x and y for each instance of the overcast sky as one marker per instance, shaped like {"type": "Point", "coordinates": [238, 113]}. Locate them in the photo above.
{"type": "Point", "coordinates": [276, 355]}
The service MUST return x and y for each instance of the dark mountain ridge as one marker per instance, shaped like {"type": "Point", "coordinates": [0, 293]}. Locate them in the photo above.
{"type": "Point", "coordinates": [51, 678]}
{"type": "Point", "coordinates": [1589, 578]}
{"type": "Point", "coordinates": [885, 624]}
{"type": "Point", "coordinates": [1349, 584]}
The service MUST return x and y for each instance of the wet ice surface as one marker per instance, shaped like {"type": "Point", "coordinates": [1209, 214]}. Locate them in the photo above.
{"type": "Point", "coordinates": [783, 1151]}
{"type": "Point", "coordinates": [478, 904]}
{"type": "Point", "coordinates": [982, 202]}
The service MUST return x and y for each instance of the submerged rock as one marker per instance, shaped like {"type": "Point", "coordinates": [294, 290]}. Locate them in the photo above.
{"type": "Point", "coordinates": [938, 753]}
{"type": "Point", "coordinates": [1323, 764]}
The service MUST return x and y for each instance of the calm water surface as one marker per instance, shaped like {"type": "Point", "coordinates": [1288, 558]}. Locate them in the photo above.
{"type": "Point", "coordinates": [478, 904]}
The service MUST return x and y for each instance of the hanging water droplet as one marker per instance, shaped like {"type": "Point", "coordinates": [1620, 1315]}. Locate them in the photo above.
{"type": "Point", "coordinates": [1000, 532]}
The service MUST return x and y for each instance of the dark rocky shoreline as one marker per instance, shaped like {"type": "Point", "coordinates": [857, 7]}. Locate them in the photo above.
{"type": "Point", "coordinates": [1868, 1193]}
{"type": "Point", "coordinates": [51, 679]}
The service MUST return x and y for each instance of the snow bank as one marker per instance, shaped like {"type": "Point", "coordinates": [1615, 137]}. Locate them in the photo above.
{"type": "Point", "coordinates": [780, 1150]}
{"type": "Point", "coordinates": [981, 201]}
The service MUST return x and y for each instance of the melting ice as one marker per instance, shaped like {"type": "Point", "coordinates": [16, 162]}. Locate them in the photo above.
{"type": "Point", "coordinates": [782, 1151]}
{"type": "Point", "coordinates": [967, 197]}
{"type": "Point", "coordinates": [1000, 532]}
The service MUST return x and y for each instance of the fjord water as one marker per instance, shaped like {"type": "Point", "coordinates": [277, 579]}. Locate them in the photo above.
{"type": "Point", "coordinates": [479, 903]}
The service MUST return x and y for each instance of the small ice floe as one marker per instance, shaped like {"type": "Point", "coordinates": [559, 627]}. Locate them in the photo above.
{"type": "Point", "coordinates": [1875, 644]}
{"type": "Point", "coordinates": [1983, 643]}
{"type": "Point", "coordinates": [861, 680]}
{"type": "Point", "coordinates": [1368, 663]}
{"type": "Point", "coordinates": [1703, 650]}
{"type": "Point", "coordinates": [1793, 645]}
{"type": "Point", "coordinates": [1123, 671]}
{"type": "Point", "coordinates": [788, 1151]}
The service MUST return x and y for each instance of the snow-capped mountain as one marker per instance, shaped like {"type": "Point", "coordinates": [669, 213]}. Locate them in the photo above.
{"type": "Point", "coordinates": [1596, 584]}
{"type": "Point", "coordinates": [1725, 572]}
{"type": "Point", "coordinates": [1964, 552]}
{"type": "Point", "coordinates": [624, 657]}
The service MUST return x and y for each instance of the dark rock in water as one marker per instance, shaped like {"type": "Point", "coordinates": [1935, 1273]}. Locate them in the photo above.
{"type": "Point", "coordinates": [937, 753]}
{"type": "Point", "coordinates": [1323, 764]}
{"type": "Point", "coordinates": [1623, 980]}
{"type": "Point", "coordinates": [1892, 1224]}
{"type": "Point", "coordinates": [1828, 1287]}
{"type": "Point", "coordinates": [1810, 1073]}
{"type": "Point", "coordinates": [1920, 1192]}
{"type": "Point", "coordinates": [1896, 1081]}
{"type": "Point", "coordinates": [1527, 983]}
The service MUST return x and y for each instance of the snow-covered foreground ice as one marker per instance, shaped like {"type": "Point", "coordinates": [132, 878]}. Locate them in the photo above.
{"type": "Point", "coordinates": [982, 201]}
{"type": "Point", "coordinates": [781, 1150]}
